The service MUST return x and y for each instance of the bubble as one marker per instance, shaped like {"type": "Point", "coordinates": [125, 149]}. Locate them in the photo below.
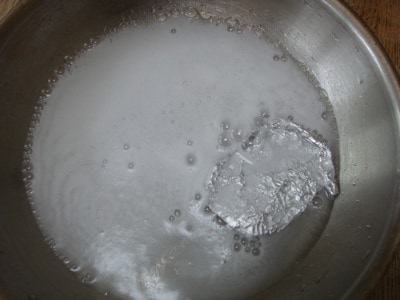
{"type": "Point", "coordinates": [276, 57]}
{"type": "Point", "coordinates": [197, 196]}
{"type": "Point", "coordinates": [324, 115]}
{"type": "Point", "coordinates": [106, 293]}
{"type": "Point", "coordinates": [173, 30]}
{"type": "Point", "coordinates": [171, 218]}
{"type": "Point", "coordinates": [189, 228]}
{"type": "Point", "coordinates": [354, 184]}
{"type": "Point", "coordinates": [189, 143]}
{"type": "Point", "coordinates": [238, 135]}
{"type": "Point", "coordinates": [74, 268]}
{"type": "Point", "coordinates": [230, 28]}
{"type": "Point", "coordinates": [236, 236]}
{"type": "Point", "coordinates": [249, 142]}
{"type": "Point", "coordinates": [224, 140]}
{"type": "Point", "coordinates": [252, 243]}
{"type": "Point", "coordinates": [190, 159]}
{"type": "Point", "coordinates": [175, 12]}
{"type": "Point", "coordinates": [28, 176]}
{"type": "Point", "coordinates": [131, 166]}
{"type": "Point", "coordinates": [247, 249]}
{"type": "Point", "coordinates": [225, 125]}
{"type": "Point", "coordinates": [28, 166]}
{"type": "Point", "coordinates": [126, 146]}
{"type": "Point", "coordinates": [317, 201]}
{"type": "Point", "coordinates": [190, 12]}
{"type": "Point", "coordinates": [87, 278]}
{"type": "Point", "coordinates": [368, 226]}
{"type": "Point", "coordinates": [236, 247]}
{"type": "Point", "coordinates": [290, 118]}
{"type": "Point", "coordinates": [239, 30]}
{"type": "Point", "coordinates": [177, 212]}
{"type": "Point", "coordinates": [220, 221]}
{"type": "Point", "coordinates": [232, 21]}
{"type": "Point", "coordinates": [207, 209]}
{"type": "Point", "coordinates": [256, 251]}
{"type": "Point", "coordinates": [162, 17]}
{"type": "Point", "coordinates": [244, 241]}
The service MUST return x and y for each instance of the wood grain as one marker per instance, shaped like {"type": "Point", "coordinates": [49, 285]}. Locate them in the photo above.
{"type": "Point", "coordinates": [383, 18]}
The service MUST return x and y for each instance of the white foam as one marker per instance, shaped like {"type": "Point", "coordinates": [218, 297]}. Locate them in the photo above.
{"type": "Point", "coordinates": [154, 91]}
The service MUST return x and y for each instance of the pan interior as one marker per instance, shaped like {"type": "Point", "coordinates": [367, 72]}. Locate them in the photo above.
{"type": "Point", "coordinates": [126, 140]}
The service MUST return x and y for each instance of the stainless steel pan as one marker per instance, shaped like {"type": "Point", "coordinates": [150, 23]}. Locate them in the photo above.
{"type": "Point", "coordinates": [362, 231]}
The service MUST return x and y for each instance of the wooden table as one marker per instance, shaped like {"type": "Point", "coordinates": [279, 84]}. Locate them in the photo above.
{"type": "Point", "coordinates": [383, 18]}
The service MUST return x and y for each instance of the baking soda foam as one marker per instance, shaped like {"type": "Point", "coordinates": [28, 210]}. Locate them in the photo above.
{"type": "Point", "coordinates": [169, 156]}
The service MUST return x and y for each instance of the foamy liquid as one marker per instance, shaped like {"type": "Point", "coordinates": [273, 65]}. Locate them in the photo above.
{"type": "Point", "coordinates": [128, 141]}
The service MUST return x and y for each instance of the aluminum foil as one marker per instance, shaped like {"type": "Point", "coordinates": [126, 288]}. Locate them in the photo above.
{"type": "Point", "coordinates": [260, 188]}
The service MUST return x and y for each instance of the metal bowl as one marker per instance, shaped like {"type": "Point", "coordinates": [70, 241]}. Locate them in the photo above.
{"type": "Point", "coordinates": [362, 231]}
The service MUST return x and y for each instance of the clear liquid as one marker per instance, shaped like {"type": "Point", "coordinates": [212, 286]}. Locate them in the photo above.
{"type": "Point", "coordinates": [127, 143]}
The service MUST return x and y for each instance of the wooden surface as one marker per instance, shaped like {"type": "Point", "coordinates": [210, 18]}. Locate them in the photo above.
{"type": "Point", "coordinates": [383, 18]}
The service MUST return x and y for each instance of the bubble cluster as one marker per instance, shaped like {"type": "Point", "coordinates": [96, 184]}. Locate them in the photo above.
{"type": "Point", "coordinates": [248, 244]}
{"type": "Point", "coordinates": [225, 125]}
{"type": "Point", "coordinates": [87, 278]}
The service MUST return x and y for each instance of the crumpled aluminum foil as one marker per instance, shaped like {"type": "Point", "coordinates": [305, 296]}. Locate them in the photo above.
{"type": "Point", "coordinates": [260, 188]}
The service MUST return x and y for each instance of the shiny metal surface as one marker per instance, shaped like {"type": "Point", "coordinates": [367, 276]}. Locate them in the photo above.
{"type": "Point", "coordinates": [364, 91]}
